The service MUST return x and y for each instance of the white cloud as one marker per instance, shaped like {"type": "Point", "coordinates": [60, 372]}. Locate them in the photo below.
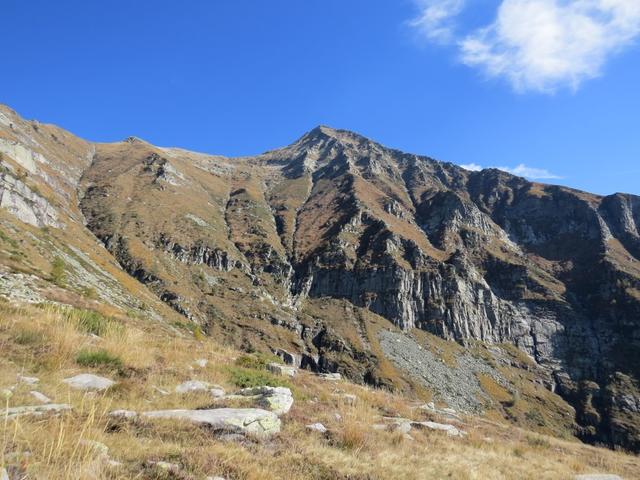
{"type": "Point", "coordinates": [530, 172]}
{"type": "Point", "coordinates": [520, 170]}
{"type": "Point", "coordinates": [474, 167]}
{"type": "Point", "coordinates": [435, 18]}
{"type": "Point", "coordinates": [543, 45]}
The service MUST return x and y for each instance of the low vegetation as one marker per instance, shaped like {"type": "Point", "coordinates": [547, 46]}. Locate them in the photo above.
{"type": "Point", "coordinates": [53, 343]}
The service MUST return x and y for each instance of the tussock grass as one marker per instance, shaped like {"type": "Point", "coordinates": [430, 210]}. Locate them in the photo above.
{"type": "Point", "coordinates": [156, 360]}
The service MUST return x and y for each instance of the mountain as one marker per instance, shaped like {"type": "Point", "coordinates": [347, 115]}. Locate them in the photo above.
{"type": "Point", "coordinates": [490, 293]}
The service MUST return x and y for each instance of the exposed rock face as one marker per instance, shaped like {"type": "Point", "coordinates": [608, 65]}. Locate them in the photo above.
{"type": "Point", "coordinates": [296, 249]}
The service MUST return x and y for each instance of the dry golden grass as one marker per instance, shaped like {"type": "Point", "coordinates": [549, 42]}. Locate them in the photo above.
{"type": "Point", "coordinates": [43, 342]}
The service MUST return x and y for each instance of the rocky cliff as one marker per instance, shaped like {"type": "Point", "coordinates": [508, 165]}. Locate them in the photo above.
{"type": "Point", "coordinates": [309, 249]}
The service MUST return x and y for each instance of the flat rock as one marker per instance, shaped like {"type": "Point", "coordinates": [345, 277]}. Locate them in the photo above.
{"type": "Point", "coordinates": [36, 409]}
{"type": "Point", "coordinates": [89, 381]}
{"type": "Point", "coordinates": [201, 362]}
{"type": "Point", "coordinates": [123, 414]}
{"type": "Point", "coordinates": [236, 420]}
{"type": "Point", "coordinates": [277, 399]}
{"type": "Point", "coordinates": [334, 377]}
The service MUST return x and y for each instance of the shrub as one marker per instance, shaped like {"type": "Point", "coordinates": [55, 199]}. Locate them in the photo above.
{"type": "Point", "coordinates": [28, 337]}
{"type": "Point", "coordinates": [90, 293]}
{"type": "Point", "coordinates": [58, 272]}
{"type": "Point", "coordinates": [247, 378]}
{"type": "Point", "coordinates": [257, 361]}
{"type": "Point", "coordinates": [89, 321]}
{"type": "Point", "coordinates": [98, 358]}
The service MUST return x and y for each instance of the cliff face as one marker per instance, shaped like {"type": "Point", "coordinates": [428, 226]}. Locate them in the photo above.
{"type": "Point", "coordinates": [303, 248]}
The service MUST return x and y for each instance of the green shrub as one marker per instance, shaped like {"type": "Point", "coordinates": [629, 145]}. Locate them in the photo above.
{"type": "Point", "coordinates": [90, 293]}
{"type": "Point", "coordinates": [257, 360]}
{"type": "Point", "coordinates": [98, 358]}
{"type": "Point", "coordinates": [89, 321]}
{"type": "Point", "coordinates": [28, 337]}
{"type": "Point", "coordinates": [247, 378]}
{"type": "Point", "coordinates": [58, 272]}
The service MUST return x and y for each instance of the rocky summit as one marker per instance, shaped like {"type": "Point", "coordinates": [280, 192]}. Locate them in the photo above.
{"type": "Point", "coordinates": [478, 290]}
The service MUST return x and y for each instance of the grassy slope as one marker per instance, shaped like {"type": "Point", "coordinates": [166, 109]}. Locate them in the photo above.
{"type": "Point", "coordinates": [45, 342]}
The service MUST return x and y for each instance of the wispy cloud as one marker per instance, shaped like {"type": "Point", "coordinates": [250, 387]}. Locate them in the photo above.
{"type": "Point", "coordinates": [435, 20]}
{"type": "Point", "coordinates": [539, 45]}
{"type": "Point", "coordinates": [520, 170]}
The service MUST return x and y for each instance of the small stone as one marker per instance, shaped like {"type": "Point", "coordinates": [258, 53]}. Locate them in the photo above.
{"type": "Point", "coordinates": [451, 430]}
{"type": "Point", "coordinates": [192, 386]}
{"type": "Point", "coordinates": [165, 466]}
{"type": "Point", "coordinates": [128, 414]}
{"type": "Point", "coordinates": [3, 474]}
{"type": "Point", "coordinates": [114, 463]}
{"type": "Point", "coordinates": [317, 427]}
{"type": "Point", "coordinates": [88, 381]}
{"type": "Point", "coordinates": [338, 417]}
{"type": "Point", "coordinates": [597, 476]}
{"type": "Point", "coordinates": [42, 398]}
{"type": "Point", "coordinates": [201, 362]}
{"type": "Point", "coordinates": [98, 447]}
{"type": "Point", "coordinates": [428, 406]}
{"type": "Point", "coordinates": [333, 377]}
{"type": "Point", "coordinates": [28, 380]}
{"type": "Point", "coordinates": [160, 391]}
{"type": "Point", "coordinates": [349, 399]}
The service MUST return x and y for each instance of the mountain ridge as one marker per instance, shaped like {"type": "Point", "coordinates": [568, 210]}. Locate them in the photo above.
{"type": "Point", "coordinates": [311, 247]}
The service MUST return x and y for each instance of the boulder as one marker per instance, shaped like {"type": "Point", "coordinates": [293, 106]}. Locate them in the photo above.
{"type": "Point", "coordinates": [277, 399]}
{"type": "Point", "coordinates": [235, 420]}
{"type": "Point", "coordinates": [282, 370]}
{"type": "Point", "coordinates": [217, 392]}
{"type": "Point", "coordinates": [88, 381]}
{"type": "Point", "coordinates": [36, 409]}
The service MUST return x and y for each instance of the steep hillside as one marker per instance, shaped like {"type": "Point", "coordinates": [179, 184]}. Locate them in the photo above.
{"type": "Point", "coordinates": [481, 290]}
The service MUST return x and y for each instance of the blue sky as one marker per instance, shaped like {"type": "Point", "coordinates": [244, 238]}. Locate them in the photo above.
{"type": "Point", "coordinates": [546, 88]}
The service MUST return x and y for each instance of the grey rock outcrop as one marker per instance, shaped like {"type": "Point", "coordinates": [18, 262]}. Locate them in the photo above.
{"type": "Point", "coordinates": [235, 420]}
